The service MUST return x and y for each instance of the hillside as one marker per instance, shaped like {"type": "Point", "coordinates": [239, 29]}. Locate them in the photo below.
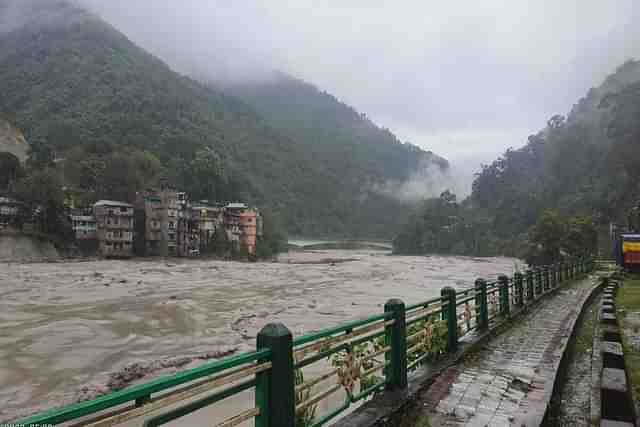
{"type": "Point", "coordinates": [348, 145]}
{"type": "Point", "coordinates": [585, 167]}
{"type": "Point", "coordinates": [71, 80]}
{"type": "Point", "coordinates": [573, 164]}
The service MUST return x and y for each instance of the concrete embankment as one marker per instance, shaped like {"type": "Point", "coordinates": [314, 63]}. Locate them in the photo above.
{"type": "Point", "coordinates": [20, 248]}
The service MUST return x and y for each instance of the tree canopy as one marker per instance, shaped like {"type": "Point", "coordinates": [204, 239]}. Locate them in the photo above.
{"type": "Point", "coordinates": [548, 197]}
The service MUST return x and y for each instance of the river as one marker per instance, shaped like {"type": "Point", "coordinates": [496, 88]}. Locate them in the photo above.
{"type": "Point", "coordinates": [73, 330]}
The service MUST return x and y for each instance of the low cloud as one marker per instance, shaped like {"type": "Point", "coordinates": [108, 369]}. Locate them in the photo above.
{"type": "Point", "coordinates": [428, 181]}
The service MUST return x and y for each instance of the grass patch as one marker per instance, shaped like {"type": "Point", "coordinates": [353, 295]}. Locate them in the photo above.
{"type": "Point", "coordinates": [423, 421]}
{"type": "Point", "coordinates": [584, 337]}
{"type": "Point", "coordinates": [628, 299]}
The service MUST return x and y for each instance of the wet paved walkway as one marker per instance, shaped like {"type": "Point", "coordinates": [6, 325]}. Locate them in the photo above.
{"type": "Point", "coordinates": [504, 383]}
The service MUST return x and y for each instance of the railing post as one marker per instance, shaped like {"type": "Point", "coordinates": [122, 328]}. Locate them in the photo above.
{"type": "Point", "coordinates": [558, 273]}
{"type": "Point", "coordinates": [517, 278]}
{"type": "Point", "coordinates": [503, 283]}
{"type": "Point", "coordinates": [530, 294]}
{"type": "Point", "coordinates": [482, 318]}
{"type": "Point", "coordinates": [547, 280]}
{"type": "Point", "coordinates": [275, 392]}
{"type": "Point", "coordinates": [396, 338]}
{"type": "Point", "coordinates": [570, 269]}
{"type": "Point", "coordinates": [448, 298]}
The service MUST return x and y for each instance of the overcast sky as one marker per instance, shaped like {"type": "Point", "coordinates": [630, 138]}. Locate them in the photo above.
{"type": "Point", "coordinates": [466, 79]}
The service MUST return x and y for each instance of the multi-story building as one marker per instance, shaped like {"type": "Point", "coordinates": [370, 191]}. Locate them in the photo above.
{"type": "Point", "coordinates": [148, 231]}
{"type": "Point", "coordinates": [169, 222]}
{"type": "Point", "coordinates": [188, 241]}
{"type": "Point", "coordinates": [12, 212]}
{"type": "Point", "coordinates": [243, 225]}
{"type": "Point", "coordinates": [84, 226]}
{"type": "Point", "coordinates": [114, 228]}
{"type": "Point", "coordinates": [206, 219]}
{"type": "Point", "coordinates": [157, 215]}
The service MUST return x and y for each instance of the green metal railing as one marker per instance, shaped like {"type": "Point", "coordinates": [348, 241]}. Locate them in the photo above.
{"type": "Point", "coordinates": [285, 379]}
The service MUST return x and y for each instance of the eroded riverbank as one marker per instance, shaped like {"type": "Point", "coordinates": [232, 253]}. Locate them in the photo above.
{"type": "Point", "coordinates": [68, 329]}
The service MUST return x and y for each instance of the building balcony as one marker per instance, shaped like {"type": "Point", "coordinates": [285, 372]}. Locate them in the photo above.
{"type": "Point", "coordinates": [119, 226]}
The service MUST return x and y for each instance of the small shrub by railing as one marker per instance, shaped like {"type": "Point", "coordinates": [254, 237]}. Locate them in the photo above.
{"type": "Point", "coordinates": [355, 360]}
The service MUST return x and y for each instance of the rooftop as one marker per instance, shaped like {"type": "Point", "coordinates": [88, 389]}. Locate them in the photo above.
{"type": "Point", "coordinates": [112, 203]}
{"type": "Point", "coordinates": [236, 205]}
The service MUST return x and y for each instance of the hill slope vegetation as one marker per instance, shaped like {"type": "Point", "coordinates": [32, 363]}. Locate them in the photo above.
{"type": "Point", "coordinates": [579, 171]}
{"type": "Point", "coordinates": [81, 90]}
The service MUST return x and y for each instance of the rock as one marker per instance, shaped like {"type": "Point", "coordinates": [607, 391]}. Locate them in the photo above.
{"type": "Point", "coordinates": [122, 281]}
{"type": "Point", "coordinates": [106, 284]}
{"type": "Point", "coordinates": [173, 297]}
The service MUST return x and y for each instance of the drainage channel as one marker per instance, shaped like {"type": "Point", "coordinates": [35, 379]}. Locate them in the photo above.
{"type": "Point", "coordinates": [571, 403]}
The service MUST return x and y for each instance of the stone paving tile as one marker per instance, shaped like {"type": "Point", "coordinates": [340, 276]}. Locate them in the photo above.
{"type": "Point", "coordinates": [510, 372]}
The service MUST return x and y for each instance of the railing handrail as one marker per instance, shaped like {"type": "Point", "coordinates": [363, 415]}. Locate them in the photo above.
{"type": "Point", "coordinates": [129, 394]}
{"type": "Point", "coordinates": [305, 339]}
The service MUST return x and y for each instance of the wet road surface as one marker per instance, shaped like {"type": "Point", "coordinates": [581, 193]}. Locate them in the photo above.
{"type": "Point", "coordinates": [505, 380]}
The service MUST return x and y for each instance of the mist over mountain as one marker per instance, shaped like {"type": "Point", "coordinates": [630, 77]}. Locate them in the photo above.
{"type": "Point", "coordinates": [71, 80]}
{"type": "Point", "coordinates": [580, 171]}
{"type": "Point", "coordinates": [346, 143]}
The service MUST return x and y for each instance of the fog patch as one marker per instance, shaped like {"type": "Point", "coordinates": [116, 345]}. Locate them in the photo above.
{"type": "Point", "coordinates": [428, 181]}
{"type": "Point", "coordinates": [36, 15]}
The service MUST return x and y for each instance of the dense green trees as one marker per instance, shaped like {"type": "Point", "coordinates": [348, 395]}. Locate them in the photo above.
{"type": "Point", "coordinates": [442, 225]}
{"type": "Point", "coordinates": [554, 236]}
{"type": "Point", "coordinates": [42, 192]}
{"type": "Point", "coordinates": [80, 83]}
{"type": "Point", "coordinates": [548, 197]}
{"type": "Point", "coordinates": [108, 172]}
{"type": "Point", "coordinates": [353, 154]}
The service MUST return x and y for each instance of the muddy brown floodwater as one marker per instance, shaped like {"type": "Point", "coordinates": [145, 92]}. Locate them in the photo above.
{"type": "Point", "coordinates": [75, 330]}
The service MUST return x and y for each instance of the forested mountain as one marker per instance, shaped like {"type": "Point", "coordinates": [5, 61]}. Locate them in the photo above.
{"type": "Point", "coordinates": [81, 91]}
{"type": "Point", "coordinates": [349, 146]}
{"type": "Point", "coordinates": [586, 165]}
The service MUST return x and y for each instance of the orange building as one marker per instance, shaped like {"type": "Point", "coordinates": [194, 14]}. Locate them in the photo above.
{"type": "Point", "coordinates": [243, 225]}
